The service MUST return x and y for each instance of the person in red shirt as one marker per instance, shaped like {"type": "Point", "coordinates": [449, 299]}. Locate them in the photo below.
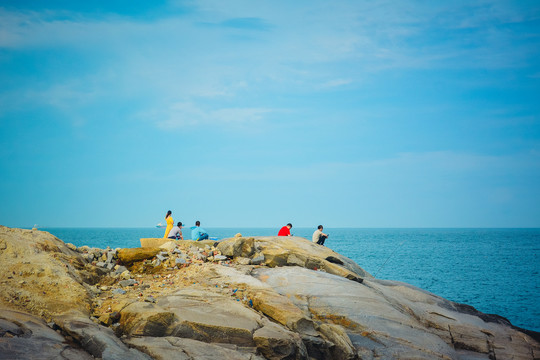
{"type": "Point", "coordinates": [285, 231]}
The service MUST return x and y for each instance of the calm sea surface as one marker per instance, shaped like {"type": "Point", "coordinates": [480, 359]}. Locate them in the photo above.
{"type": "Point", "coordinates": [494, 270]}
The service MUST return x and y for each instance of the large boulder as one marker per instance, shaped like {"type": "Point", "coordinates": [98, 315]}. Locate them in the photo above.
{"type": "Point", "coordinates": [41, 274]}
{"type": "Point", "coordinates": [153, 242]}
{"type": "Point", "coordinates": [276, 343]}
{"type": "Point", "coordinates": [343, 348]}
{"type": "Point", "coordinates": [97, 340]}
{"type": "Point", "coordinates": [207, 316]}
{"type": "Point", "coordinates": [175, 348]}
{"type": "Point", "coordinates": [129, 256]}
{"type": "Point", "coordinates": [276, 251]}
{"type": "Point", "coordinates": [42, 277]}
{"type": "Point", "coordinates": [237, 247]}
{"type": "Point", "coordinates": [388, 318]}
{"type": "Point", "coordinates": [22, 334]}
{"type": "Point", "coordinates": [281, 309]}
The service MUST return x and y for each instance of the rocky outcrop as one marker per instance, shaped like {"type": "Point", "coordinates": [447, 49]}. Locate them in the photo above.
{"type": "Point", "coordinates": [41, 275]}
{"type": "Point", "coordinates": [275, 251]}
{"type": "Point", "coordinates": [98, 341]}
{"type": "Point", "coordinates": [130, 256]}
{"type": "Point", "coordinates": [210, 318]}
{"type": "Point", "coordinates": [47, 290]}
{"type": "Point", "coordinates": [23, 335]}
{"type": "Point", "coordinates": [241, 298]}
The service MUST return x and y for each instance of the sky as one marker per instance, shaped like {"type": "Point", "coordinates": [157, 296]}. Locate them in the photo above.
{"type": "Point", "coordinates": [358, 113]}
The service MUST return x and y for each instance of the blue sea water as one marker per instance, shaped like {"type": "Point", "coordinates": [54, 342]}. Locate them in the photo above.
{"type": "Point", "coordinates": [494, 270]}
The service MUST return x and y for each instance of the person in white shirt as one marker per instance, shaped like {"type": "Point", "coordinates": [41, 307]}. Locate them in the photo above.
{"type": "Point", "coordinates": [318, 236]}
{"type": "Point", "coordinates": [176, 232]}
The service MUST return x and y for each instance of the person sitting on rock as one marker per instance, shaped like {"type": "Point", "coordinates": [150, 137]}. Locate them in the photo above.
{"type": "Point", "coordinates": [318, 236]}
{"type": "Point", "coordinates": [285, 231]}
{"type": "Point", "coordinates": [198, 233]}
{"type": "Point", "coordinates": [176, 232]}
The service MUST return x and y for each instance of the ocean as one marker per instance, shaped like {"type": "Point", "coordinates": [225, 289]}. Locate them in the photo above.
{"type": "Point", "coordinates": [494, 270]}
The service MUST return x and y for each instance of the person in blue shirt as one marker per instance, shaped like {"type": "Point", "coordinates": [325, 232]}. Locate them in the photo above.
{"type": "Point", "coordinates": [198, 233]}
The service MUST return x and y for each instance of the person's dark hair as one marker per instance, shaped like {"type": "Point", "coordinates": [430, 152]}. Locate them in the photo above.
{"type": "Point", "coordinates": [169, 213]}
{"type": "Point", "coordinates": [197, 223]}
{"type": "Point", "coordinates": [179, 224]}
{"type": "Point", "coordinates": [320, 227]}
{"type": "Point", "coordinates": [289, 224]}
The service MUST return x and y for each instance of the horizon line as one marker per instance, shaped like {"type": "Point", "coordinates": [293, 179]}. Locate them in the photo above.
{"type": "Point", "coordinates": [277, 227]}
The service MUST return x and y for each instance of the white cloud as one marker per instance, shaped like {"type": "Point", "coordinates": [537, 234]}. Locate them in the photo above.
{"type": "Point", "coordinates": [320, 47]}
{"type": "Point", "coordinates": [450, 162]}
{"type": "Point", "coordinates": [320, 32]}
{"type": "Point", "coordinates": [404, 165]}
{"type": "Point", "coordinates": [188, 114]}
{"type": "Point", "coordinates": [335, 83]}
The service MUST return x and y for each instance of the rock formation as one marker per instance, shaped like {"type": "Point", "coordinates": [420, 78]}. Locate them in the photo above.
{"type": "Point", "coordinates": [240, 298]}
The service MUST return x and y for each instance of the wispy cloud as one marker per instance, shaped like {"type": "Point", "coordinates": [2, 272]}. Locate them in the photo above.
{"type": "Point", "coordinates": [354, 30]}
{"type": "Point", "coordinates": [244, 23]}
{"type": "Point", "coordinates": [188, 114]}
{"type": "Point", "coordinates": [335, 83]}
{"type": "Point", "coordinates": [441, 163]}
{"type": "Point", "coordinates": [320, 47]}
{"type": "Point", "coordinates": [395, 174]}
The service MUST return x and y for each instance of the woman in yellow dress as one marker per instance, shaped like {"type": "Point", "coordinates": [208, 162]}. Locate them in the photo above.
{"type": "Point", "coordinates": [170, 223]}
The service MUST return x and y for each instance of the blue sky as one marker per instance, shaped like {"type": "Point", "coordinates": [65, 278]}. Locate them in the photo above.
{"type": "Point", "coordinates": [259, 113]}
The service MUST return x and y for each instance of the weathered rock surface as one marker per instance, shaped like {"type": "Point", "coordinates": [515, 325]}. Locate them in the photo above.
{"type": "Point", "coordinates": [23, 336]}
{"type": "Point", "coordinates": [129, 256]}
{"type": "Point", "coordinates": [98, 341]}
{"type": "Point", "coordinates": [40, 274]}
{"type": "Point", "coordinates": [241, 298]}
{"type": "Point", "coordinates": [170, 347]}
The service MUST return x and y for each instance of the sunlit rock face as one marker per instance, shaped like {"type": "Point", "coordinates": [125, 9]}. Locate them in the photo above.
{"type": "Point", "coordinates": [241, 298]}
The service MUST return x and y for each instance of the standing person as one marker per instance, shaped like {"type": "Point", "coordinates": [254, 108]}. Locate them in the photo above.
{"type": "Point", "coordinates": [198, 233]}
{"type": "Point", "coordinates": [319, 236]}
{"type": "Point", "coordinates": [176, 232]}
{"type": "Point", "coordinates": [285, 231]}
{"type": "Point", "coordinates": [170, 223]}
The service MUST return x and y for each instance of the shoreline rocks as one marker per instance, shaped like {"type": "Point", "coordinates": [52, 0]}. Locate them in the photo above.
{"type": "Point", "coordinates": [241, 298]}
